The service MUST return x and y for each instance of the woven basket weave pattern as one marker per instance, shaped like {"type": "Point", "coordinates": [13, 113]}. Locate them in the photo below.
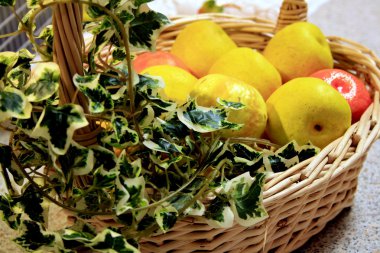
{"type": "Point", "coordinates": [303, 199]}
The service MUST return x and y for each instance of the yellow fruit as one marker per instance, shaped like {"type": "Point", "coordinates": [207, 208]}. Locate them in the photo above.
{"type": "Point", "coordinates": [251, 67]}
{"type": "Point", "coordinates": [178, 82]}
{"type": "Point", "coordinates": [307, 109]}
{"type": "Point", "coordinates": [200, 44]}
{"type": "Point", "coordinates": [299, 50]}
{"type": "Point", "coordinates": [253, 116]}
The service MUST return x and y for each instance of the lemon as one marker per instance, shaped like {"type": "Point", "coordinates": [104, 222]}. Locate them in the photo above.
{"type": "Point", "coordinates": [298, 50]}
{"type": "Point", "coordinates": [200, 44]}
{"type": "Point", "coordinates": [251, 67]}
{"type": "Point", "coordinates": [178, 82]}
{"type": "Point", "coordinates": [307, 110]}
{"type": "Point", "coordinates": [253, 116]}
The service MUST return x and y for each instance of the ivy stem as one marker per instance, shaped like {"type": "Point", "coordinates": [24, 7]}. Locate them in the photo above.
{"type": "Point", "coordinates": [2, 36]}
{"type": "Point", "coordinates": [51, 199]}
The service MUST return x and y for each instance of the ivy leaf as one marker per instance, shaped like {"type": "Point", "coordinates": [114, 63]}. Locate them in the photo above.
{"type": "Point", "coordinates": [7, 2]}
{"type": "Point", "coordinates": [109, 241]}
{"type": "Point", "coordinates": [77, 161]}
{"type": "Point", "coordinates": [204, 120]}
{"type": "Point", "coordinates": [43, 83]}
{"type": "Point", "coordinates": [31, 201]}
{"type": "Point", "coordinates": [100, 99]}
{"type": "Point", "coordinates": [287, 156]}
{"type": "Point", "coordinates": [32, 3]}
{"type": "Point", "coordinates": [165, 163]}
{"type": "Point", "coordinates": [7, 213]}
{"type": "Point", "coordinates": [57, 125]}
{"type": "Point", "coordinates": [219, 213]}
{"type": "Point", "coordinates": [230, 105]}
{"type": "Point", "coordinates": [145, 27]}
{"type": "Point", "coordinates": [162, 145]}
{"type": "Point", "coordinates": [127, 168]}
{"type": "Point", "coordinates": [13, 103]}
{"type": "Point", "coordinates": [7, 59]}
{"type": "Point", "coordinates": [33, 153]}
{"type": "Point", "coordinates": [246, 198]}
{"type": "Point", "coordinates": [7, 164]}
{"type": "Point", "coordinates": [122, 136]}
{"type": "Point", "coordinates": [104, 157]}
{"type": "Point", "coordinates": [104, 179]}
{"type": "Point", "coordinates": [166, 217]}
{"type": "Point", "coordinates": [34, 237]}
{"type": "Point", "coordinates": [130, 194]}
{"type": "Point", "coordinates": [46, 35]}
{"type": "Point", "coordinates": [246, 158]}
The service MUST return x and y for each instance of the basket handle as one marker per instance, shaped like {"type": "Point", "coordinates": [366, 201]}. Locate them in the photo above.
{"type": "Point", "coordinates": [291, 11]}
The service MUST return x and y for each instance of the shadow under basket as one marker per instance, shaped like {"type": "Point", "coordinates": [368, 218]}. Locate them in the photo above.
{"type": "Point", "coordinates": [303, 199]}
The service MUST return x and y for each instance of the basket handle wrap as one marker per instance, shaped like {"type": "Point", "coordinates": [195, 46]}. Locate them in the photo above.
{"type": "Point", "coordinates": [291, 11]}
{"type": "Point", "coordinates": [67, 53]}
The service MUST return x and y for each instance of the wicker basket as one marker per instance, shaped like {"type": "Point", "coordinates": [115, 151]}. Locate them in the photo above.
{"type": "Point", "coordinates": [303, 199]}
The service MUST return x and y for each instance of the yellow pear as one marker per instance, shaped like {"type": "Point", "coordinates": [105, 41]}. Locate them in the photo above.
{"type": "Point", "coordinates": [200, 44]}
{"type": "Point", "coordinates": [251, 67]}
{"type": "Point", "coordinates": [299, 50]}
{"type": "Point", "coordinates": [307, 109]}
{"type": "Point", "coordinates": [253, 115]}
{"type": "Point", "coordinates": [178, 82]}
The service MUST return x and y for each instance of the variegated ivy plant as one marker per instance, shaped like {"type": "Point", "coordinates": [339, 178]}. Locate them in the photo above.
{"type": "Point", "coordinates": [173, 162]}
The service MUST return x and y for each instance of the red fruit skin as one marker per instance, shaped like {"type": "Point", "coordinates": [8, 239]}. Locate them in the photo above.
{"type": "Point", "coordinates": [351, 87]}
{"type": "Point", "coordinates": [148, 59]}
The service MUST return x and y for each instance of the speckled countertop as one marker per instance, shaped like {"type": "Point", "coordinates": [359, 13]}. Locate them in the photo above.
{"type": "Point", "coordinates": [356, 229]}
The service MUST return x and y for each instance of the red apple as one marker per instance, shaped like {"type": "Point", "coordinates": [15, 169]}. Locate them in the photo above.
{"type": "Point", "coordinates": [351, 87]}
{"type": "Point", "coordinates": [147, 59]}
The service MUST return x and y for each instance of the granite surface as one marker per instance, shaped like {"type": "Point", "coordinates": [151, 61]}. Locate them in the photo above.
{"type": "Point", "coordinates": [356, 229]}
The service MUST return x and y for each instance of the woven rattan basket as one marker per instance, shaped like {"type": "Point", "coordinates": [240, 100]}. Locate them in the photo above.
{"type": "Point", "coordinates": [303, 199]}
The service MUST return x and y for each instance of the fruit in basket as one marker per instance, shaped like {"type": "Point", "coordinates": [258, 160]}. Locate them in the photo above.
{"type": "Point", "coordinates": [200, 44]}
{"type": "Point", "coordinates": [307, 109]}
{"type": "Point", "coordinates": [148, 59]}
{"type": "Point", "coordinates": [178, 82]}
{"type": "Point", "coordinates": [251, 67]}
{"type": "Point", "coordinates": [253, 115]}
{"type": "Point", "coordinates": [351, 87]}
{"type": "Point", "coordinates": [299, 50]}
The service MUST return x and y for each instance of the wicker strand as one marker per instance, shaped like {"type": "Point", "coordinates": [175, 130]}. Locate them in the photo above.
{"type": "Point", "coordinates": [291, 11]}
{"type": "Point", "coordinates": [68, 51]}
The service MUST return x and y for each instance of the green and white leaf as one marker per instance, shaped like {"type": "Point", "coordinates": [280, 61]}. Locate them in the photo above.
{"type": "Point", "coordinates": [14, 104]}
{"type": "Point", "coordinates": [7, 2]}
{"type": "Point", "coordinates": [34, 238]}
{"type": "Point", "coordinates": [127, 168]}
{"type": "Point", "coordinates": [165, 163]}
{"type": "Point", "coordinates": [246, 198]}
{"type": "Point", "coordinates": [144, 29]}
{"type": "Point", "coordinates": [8, 165]}
{"type": "Point", "coordinates": [122, 136]}
{"type": "Point", "coordinates": [104, 179]}
{"type": "Point", "coordinates": [109, 241]}
{"type": "Point", "coordinates": [7, 61]}
{"type": "Point", "coordinates": [166, 216]}
{"type": "Point", "coordinates": [57, 125]}
{"type": "Point", "coordinates": [100, 99]}
{"type": "Point", "coordinates": [204, 120]}
{"type": "Point", "coordinates": [104, 157]}
{"type": "Point", "coordinates": [77, 161]}
{"type": "Point", "coordinates": [219, 214]}
{"type": "Point", "coordinates": [230, 105]}
{"type": "Point", "coordinates": [162, 145]}
{"type": "Point", "coordinates": [43, 83]}
{"type": "Point", "coordinates": [130, 194]}
{"type": "Point", "coordinates": [197, 209]}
